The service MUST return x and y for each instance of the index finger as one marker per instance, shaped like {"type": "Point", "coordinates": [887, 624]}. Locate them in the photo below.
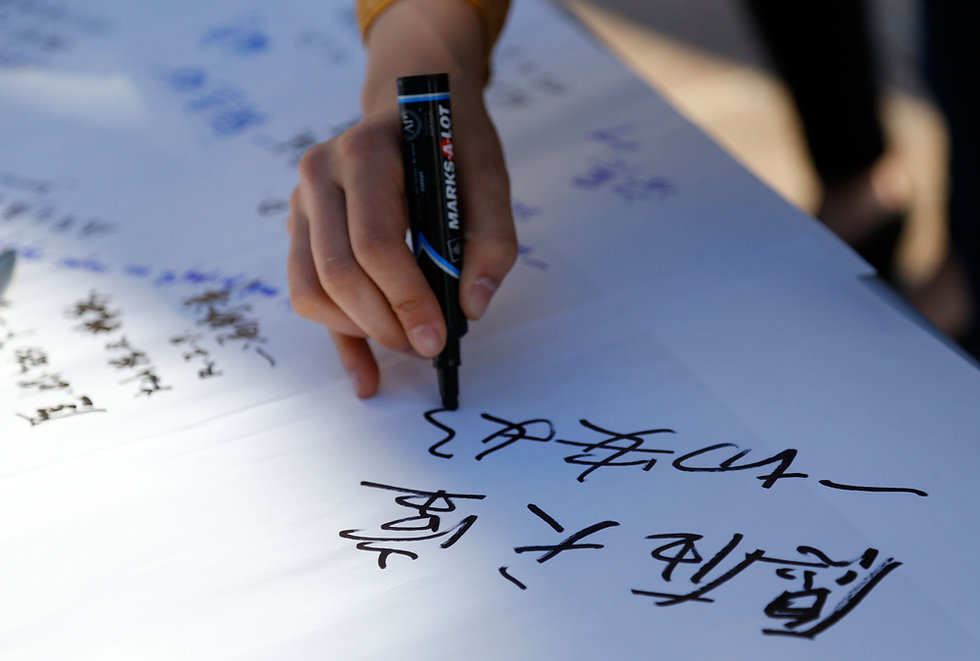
{"type": "Point", "coordinates": [378, 221]}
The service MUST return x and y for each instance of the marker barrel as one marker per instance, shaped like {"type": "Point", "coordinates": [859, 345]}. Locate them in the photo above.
{"type": "Point", "coordinates": [434, 206]}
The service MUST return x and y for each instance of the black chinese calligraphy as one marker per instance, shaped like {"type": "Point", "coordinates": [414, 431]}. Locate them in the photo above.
{"type": "Point", "coordinates": [614, 447]}
{"type": "Point", "coordinates": [512, 432]}
{"type": "Point", "coordinates": [223, 306]}
{"type": "Point", "coordinates": [822, 591]}
{"type": "Point", "coordinates": [429, 509]}
{"type": "Point", "coordinates": [574, 542]}
{"type": "Point", "coordinates": [45, 381]}
{"type": "Point", "coordinates": [229, 322]}
{"type": "Point", "coordinates": [624, 450]}
{"type": "Point", "coordinates": [77, 406]}
{"type": "Point", "coordinates": [827, 589]}
{"type": "Point", "coordinates": [783, 460]}
{"type": "Point", "coordinates": [147, 381]}
{"type": "Point", "coordinates": [192, 350]}
{"type": "Point", "coordinates": [29, 202]}
{"type": "Point", "coordinates": [96, 317]}
{"type": "Point", "coordinates": [537, 430]}
{"type": "Point", "coordinates": [853, 487]}
{"type": "Point", "coordinates": [450, 433]}
{"type": "Point", "coordinates": [28, 358]}
{"type": "Point", "coordinates": [39, 380]}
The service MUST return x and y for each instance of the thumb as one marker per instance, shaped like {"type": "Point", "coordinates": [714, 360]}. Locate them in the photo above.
{"type": "Point", "coordinates": [490, 241]}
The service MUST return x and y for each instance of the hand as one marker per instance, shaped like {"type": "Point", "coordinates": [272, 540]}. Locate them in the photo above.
{"type": "Point", "coordinates": [349, 267]}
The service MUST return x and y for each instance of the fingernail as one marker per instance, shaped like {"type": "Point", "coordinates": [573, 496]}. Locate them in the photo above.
{"type": "Point", "coordinates": [425, 340]}
{"type": "Point", "coordinates": [480, 296]}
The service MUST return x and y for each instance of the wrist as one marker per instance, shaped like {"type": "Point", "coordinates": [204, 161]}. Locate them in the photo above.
{"type": "Point", "coordinates": [413, 37]}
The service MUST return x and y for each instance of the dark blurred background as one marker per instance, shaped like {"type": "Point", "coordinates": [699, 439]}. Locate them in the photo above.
{"type": "Point", "coordinates": [706, 57]}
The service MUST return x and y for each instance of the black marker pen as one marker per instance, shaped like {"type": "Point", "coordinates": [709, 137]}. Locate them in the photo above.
{"type": "Point", "coordinates": [434, 208]}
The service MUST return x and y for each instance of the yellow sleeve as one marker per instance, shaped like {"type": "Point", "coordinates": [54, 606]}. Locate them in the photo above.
{"type": "Point", "coordinates": [492, 12]}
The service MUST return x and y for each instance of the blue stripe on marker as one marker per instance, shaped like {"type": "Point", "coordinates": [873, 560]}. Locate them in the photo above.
{"type": "Point", "coordinates": [415, 98]}
{"type": "Point", "coordinates": [440, 261]}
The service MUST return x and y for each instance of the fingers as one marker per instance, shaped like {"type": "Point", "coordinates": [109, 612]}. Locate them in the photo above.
{"type": "Point", "coordinates": [357, 241]}
{"type": "Point", "coordinates": [349, 267]}
{"type": "Point", "coordinates": [306, 296]}
{"type": "Point", "coordinates": [337, 271]}
{"type": "Point", "coordinates": [357, 359]}
{"type": "Point", "coordinates": [378, 221]}
{"type": "Point", "coordinates": [309, 300]}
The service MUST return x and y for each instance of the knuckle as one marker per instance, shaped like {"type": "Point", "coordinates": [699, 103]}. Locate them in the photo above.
{"type": "Point", "coordinates": [370, 150]}
{"type": "Point", "coordinates": [336, 272]}
{"type": "Point", "coordinates": [375, 243]}
{"type": "Point", "coordinates": [302, 301]}
{"type": "Point", "coordinates": [358, 143]}
{"type": "Point", "coordinates": [314, 164]}
{"type": "Point", "coordinates": [409, 308]}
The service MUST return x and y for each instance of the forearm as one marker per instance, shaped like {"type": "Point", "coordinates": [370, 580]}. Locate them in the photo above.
{"type": "Point", "coordinates": [411, 37]}
{"type": "Point", "coordinates": [493, 14]}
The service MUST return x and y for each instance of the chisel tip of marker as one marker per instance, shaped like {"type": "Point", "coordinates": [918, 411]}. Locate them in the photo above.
{"type": "Point", "coordinates": [449, 387]}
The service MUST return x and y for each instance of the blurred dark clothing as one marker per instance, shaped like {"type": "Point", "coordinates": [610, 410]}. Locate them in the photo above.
{"type": "Point", "coordinates": [952, 58]}
{"type": "Point", "coordinates": [822, 50]}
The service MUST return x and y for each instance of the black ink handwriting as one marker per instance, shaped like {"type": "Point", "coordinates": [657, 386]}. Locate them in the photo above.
{"type": "Point", "coordinates": [615, 447]}
{"type": "Point", "coordinates": [429, 507]}
{"type": "Point", "coordinates": [806, 612]}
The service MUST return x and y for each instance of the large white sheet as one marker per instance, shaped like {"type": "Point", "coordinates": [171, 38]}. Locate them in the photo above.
{"type": "Point", "coordinates": [675, 393]}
